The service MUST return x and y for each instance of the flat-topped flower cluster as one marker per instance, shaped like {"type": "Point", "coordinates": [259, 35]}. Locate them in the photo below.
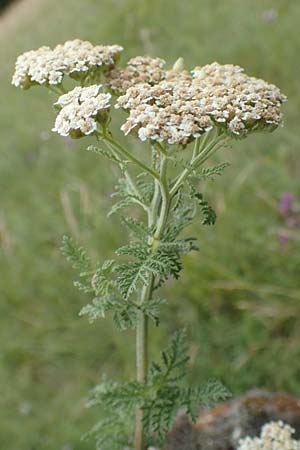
{"type": "Point", "coordinates": [274, 436]}
{"type": "Point", "coordinates": [183, 105]}
{"type": "Point", "coordinates": [48, 67]}
{"type": "Point", "coordinates": [166, 106]}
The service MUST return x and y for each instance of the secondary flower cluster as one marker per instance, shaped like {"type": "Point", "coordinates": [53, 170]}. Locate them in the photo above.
{"type": "Point", "coordinates": [274, 436]}
{"type": "Point", "coordinates": [182, 106]}
{"type": "Point", "coordinates": [47, 67]}
{"type": "Point", "coordinates": [80, 110]}
{"type": "Point", "coordinates": [141, 69]}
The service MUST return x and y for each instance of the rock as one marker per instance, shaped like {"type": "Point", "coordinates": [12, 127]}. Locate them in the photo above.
{"type": "Point", "coordinates": [221, 428]}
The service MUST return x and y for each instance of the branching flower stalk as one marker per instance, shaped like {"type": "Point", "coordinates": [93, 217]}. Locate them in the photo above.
{"type": "Point", "coordinates": [182, 117]}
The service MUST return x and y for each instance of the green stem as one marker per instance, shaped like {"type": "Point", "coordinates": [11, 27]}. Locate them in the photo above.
{"type": "Point", "coordinates": [196, 148]}
{"type": "Point", "coordinates": [161, 196]}
{"type": "Point", "coordinates": [165, 196]}
{"type": "Point", "coordinates": [142, 360]}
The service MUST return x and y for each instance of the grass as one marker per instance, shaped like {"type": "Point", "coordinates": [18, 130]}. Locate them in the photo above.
{"type": "Point", "coordinates": [240, 295]}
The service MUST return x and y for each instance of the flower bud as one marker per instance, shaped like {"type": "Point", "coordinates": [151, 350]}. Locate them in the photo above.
{"type": "Point", "coordinates": [178, 65]}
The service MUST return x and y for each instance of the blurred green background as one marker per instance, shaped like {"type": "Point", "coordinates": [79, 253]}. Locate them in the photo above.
{"type": "Point", "coordinates": [239, 297]}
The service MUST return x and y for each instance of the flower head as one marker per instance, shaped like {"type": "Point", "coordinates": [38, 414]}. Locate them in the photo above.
{"type": "Point", "coordinates": [239, 102]}
{"type": "Point", "coordinates": [82, 56]}
{"type": "Point", "coordinates": [182, 105]}
{"type": "Point", "coordinates": [47, 67]}
{"type": "Point", "coordinates": [80, 110]}
{"type": "Point", "coordinates": [40, 66]}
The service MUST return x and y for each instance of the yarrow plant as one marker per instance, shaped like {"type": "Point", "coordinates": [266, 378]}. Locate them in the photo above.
{"type": "Point", "coordinates": [274, 436]}
{"type": "Point", "coordinates": [181, 118]}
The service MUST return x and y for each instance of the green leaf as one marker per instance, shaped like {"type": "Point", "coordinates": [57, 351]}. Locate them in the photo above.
{"type": "Point", "coordinates": [130, 275]}
{"type": "Point", "coordinates": [121, 204]}
{"type": "Point", "coordinates": [110, 433]}
{"type": "Point", "coordinates": [173, 357]}
{"type": "Point", "coordinates": [211, 393]}
{"type": "Point", "coordinates": [103, 151]}
{"type": "Point", "coordinates": [207, 395]}
{"type": "Point", "coordinates": [160, 264]}
{"type": "Point", "coordinates": [75, 255]}
{"type": "Point", "coordinates": [102, 281]}
{"type": "Point", "coordinates": [127, 197]}
{"type": "Point", "coordinates": [125, 316]}
{"type": "Point", "coordinates": [152, 309]}
{"type": "Point", "coordinates": [137, 228]}
{"type": "Point", "coordinates": [180, 245]}
{"type": "Point", "coordinates": [181, 219]}
{"type": "Point", "coordinates": [161, 406]}
{"type": "Point", "coordinates": [212, 172]}
{"type": "Point", "coordinates": [146, 188]}
{"type": "Point", "coordinates": [137, 249]}
{"type": "Point", "coordinates": [209, 215]}
{"type": "Point", "coordinates": [98, 308]}
{"type": "Point", "coordinates": [125, 397]}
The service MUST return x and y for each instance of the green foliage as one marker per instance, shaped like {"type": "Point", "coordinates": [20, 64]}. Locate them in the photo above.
{"type": "Point", "coordinates": [160, 264]}
{"type": "Point", "coordinates": [127, 198]}
{"type": "Point", "coordinates": [119, 401]}
{"type": "Point", "coordinates": [151, 257]}
{"type": "Point", "coordinates": [103, 151]}
{"type": "Point", "coordinates": [211, 172]}
{"type": "Point", "coordinates": [159, 399]}
{"type": "Point", "coordinates": [101, 283]}
{"type": "Point", "coordinates": [145, 187]}
{"type": "Point", "coordinates": [137, 228]}
{"type": "Point", "coordinates": [209, 214]}
{"type": "Point", "coordinates": [152, 309]}
{"type": "Point", "coordinates": [112, 293]}
{"type": "Point", "coordinates": [130, 195]}
{"type": "Point", "coordinates": [168, 395]}
{"type": "Point", "coordinates": [76, 255]}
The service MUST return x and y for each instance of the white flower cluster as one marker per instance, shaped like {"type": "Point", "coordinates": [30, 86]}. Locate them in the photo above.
{"type": "Point", "coordinates": [47, 67]}
{"type": "Point", "coordinates": [181, 106]}
{"type": "Point", "coordinates": [80, 110]}
{"type": "Point", "coordinates": [172, 106]}
{"type": "Point", "coordinates": [274, 436]}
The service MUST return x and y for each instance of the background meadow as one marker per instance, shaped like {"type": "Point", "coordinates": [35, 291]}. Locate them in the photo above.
{"type": "Point", "coordinates": [239, 297]}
